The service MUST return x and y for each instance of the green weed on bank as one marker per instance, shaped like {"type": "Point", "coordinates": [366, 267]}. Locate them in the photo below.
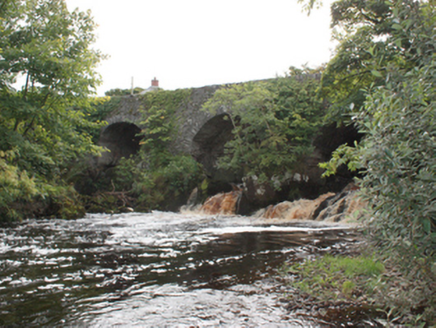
{"type": "Point", "coordinates": [337, 277]}
{"type": "Point", "coordinates": [369, 282]}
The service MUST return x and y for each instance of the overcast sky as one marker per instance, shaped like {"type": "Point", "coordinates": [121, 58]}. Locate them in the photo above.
{"type": "Point", "coordinates": [193, 43]}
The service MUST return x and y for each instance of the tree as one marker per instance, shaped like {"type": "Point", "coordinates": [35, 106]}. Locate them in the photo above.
{"type": "Point", "coordinates": [396, 113]}
{"type": "Point", "coordinates": [367, 45]}
{"type": "Point", "coordinates": [397, 156]}
{"type": "Point", "coordinates": [399, 118]}
{"type": "Point", "coordinates": [383, 78]}
{"type": "Point", "coordinates": [273, 124]}
{"type": "Point", "coordinates": [49, 49]}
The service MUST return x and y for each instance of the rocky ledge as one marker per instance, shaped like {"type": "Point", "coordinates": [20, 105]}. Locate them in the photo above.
{"type": "Point", "coordinates": [330, 207]}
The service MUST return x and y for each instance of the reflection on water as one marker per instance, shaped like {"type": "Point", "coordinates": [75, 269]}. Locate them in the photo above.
{"type": "Point", "coordinates": [151, 270]}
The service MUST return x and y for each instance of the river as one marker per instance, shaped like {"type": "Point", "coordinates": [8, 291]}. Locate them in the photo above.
{"type": "Point", "coordinates": [154, 270]}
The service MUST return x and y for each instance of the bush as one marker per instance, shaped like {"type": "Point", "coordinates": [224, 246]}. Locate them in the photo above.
{"type": "Point", "coordinates": [166, 187]}
{"type": "Point", "coordinates": [400, 159]}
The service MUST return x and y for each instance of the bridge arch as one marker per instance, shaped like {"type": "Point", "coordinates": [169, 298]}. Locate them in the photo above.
{"type": "Point", "coordinates": [121, 139]}
{"type": "Point", "coordinates": [208, 145]}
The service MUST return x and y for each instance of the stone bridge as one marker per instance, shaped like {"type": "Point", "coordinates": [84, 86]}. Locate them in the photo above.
{"type": "Point", "coordinates": [200, 134]}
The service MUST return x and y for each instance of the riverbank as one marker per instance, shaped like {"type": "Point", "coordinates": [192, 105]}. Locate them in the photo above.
{"type": "Point", "coordinates": [357, 286]}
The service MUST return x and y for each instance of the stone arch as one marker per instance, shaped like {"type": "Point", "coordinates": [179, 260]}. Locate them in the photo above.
{"type": "Point", "coordinates": [208, 145]}
{"type": "Point", "coordinates": [122, 139]}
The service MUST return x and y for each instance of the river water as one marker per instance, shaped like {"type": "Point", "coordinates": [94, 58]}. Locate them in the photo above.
{"type": "Point", "coordinates": [154, 270]}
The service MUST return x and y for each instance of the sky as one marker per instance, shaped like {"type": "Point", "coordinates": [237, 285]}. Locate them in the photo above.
{"type": "Point", "coordinates": [193, 43]}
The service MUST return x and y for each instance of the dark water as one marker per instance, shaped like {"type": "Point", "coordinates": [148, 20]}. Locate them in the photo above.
{"type": "Point", "coordinates": [159, 269]}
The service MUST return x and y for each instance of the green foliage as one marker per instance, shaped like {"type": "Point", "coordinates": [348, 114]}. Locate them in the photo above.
{"type": "Point", "coordinates": [164, 187]}
{"type": "Point", "coordinates": [384, 75]}
{"type": "Point", "coordinates": [310, 4]}
{"type": "Point", "coordinates": [367, 32]}
{"type": "Point", "coordinates": [155, 177]}
{"type": "Point", "coordinates": [398, 118]}
{"type": "Point", "coordinates": [273, 123]}
{"type": "Point", "coordinates": [173, 181]}
{"type": "Point", "coordinates": [122, 92]}
{"type": "Point", "coordinates": [159, 122]}
{"type": "Point", "coordinates": [16, 185]}
{"type": "Point", "coordinates": [99, 109]}
{"type": "Point", "coordinates": [169, 178]}
{"type": "Point", "coordinates": [368, 281]}
{"type": "Point", "coordinates": [41, 129]}
{"type": "Point", "coordinates": [337, 277]}
{"type": "Point", "coordinates": [343, 155]}
{"type": "Point", "coordinates": [399, 155]}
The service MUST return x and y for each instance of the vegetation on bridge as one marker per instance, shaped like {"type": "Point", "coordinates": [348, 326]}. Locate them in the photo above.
{"type": "Point", "coordinates": [157, 178]}
{"type": "Point", "coordinates": [274, 123]}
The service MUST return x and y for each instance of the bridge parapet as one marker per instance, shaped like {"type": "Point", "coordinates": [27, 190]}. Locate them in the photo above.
{"type": "Point", "coordinates": [127, 111]}
{"type": "Point", "coordinates": [190, 119]}
{"type": "Point", "coordinates": [128, 115]}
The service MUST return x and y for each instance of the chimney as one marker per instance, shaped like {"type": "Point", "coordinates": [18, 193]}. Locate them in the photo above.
{"type": "Point", "coordinates": [154, 83]}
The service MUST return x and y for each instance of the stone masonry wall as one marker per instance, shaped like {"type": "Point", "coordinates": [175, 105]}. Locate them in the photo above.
{"type": "Point", "coordinates": [189, 116]}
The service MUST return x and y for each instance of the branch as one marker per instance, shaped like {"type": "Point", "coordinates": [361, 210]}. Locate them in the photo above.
{"type": "Point", "coordinates": [29, 125]}
{"type": "Point", "coordinates": [26, 86]}
{"type": "Point", "coordinates": [17, 122]}
{"type": "Point", "coordinates": [3, 4]}
{"type": "Point", "coordinates": [372, 20]}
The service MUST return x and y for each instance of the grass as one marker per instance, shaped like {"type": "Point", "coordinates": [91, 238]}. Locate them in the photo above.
{"type": "Point", "coordinates": [337, 277]}
{"type": "Point", "coordinates": [370, 281]}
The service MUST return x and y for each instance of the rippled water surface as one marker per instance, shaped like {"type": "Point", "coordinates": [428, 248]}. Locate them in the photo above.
{"type": "Point", "coordinates": [157, 269]}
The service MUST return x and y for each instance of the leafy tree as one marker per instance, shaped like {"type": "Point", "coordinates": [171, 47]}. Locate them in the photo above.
{"type": "Point", "coordinates": [399, 157]}
{"type": "Point", "coordinates": [383, 76]}
{"type": "Point", "coordinates": [365, 31]}
{"type": "Point", "coordinates": [49, 49]}
{"type": "Point", "coordinates": [308, 5]}
{"type": "Point", "coordinates": [122, 92]}
{"type": "Point", "coordinates": [273, 124]}
{"type": "Point", "coordinates": [397, 116]}
{"type": "Point", "coordinates": [396, 66]}
{"type": "Point", "coordinates": [98, 110]}
{"type": "Point", "coordinates": [399, 119]}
